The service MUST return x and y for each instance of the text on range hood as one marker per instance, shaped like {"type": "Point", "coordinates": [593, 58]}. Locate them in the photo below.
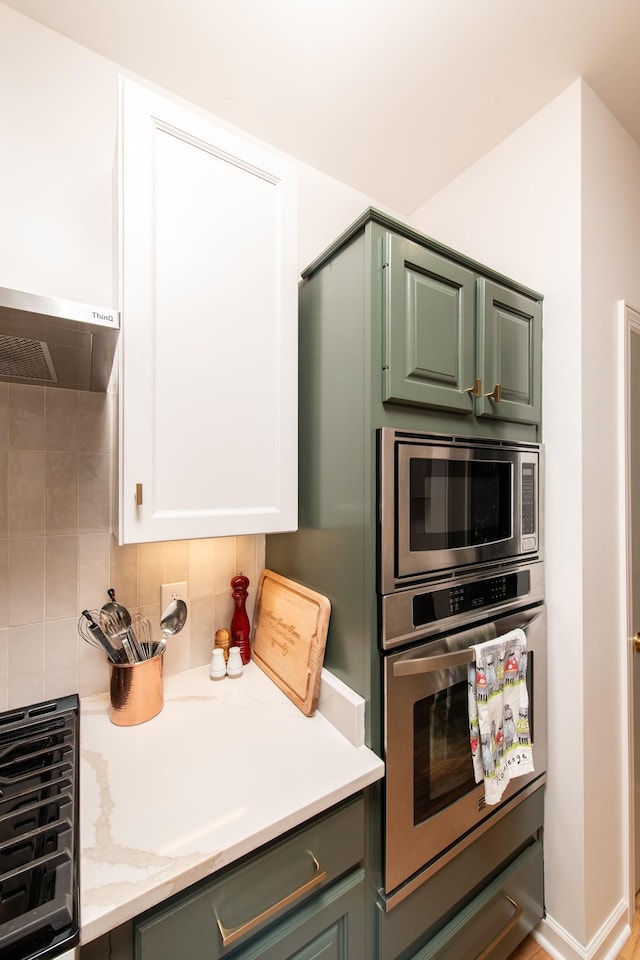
{"type": "Point", "coordinates": [57, 343]}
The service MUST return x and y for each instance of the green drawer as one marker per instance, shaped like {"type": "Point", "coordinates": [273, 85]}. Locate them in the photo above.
{"type": "Point", "coordinates": [330, 925]}
{"type": "Point", "coordinates": [495, 922]}
{"type": "Point", "coordinates": [211, 919]}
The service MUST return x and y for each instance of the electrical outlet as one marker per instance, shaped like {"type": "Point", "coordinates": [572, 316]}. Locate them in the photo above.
{"type": "Point", "coordinates": [173, 591]}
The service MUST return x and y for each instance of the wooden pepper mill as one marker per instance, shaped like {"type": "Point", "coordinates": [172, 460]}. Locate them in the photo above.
{"type": "Point", "coordinates": [223, 640]}
{"type": "Point", "coordinates": [240, 621]}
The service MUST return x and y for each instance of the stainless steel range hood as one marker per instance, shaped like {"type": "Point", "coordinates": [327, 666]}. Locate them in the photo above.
{"type": "Point", "coordinates": [56, 343]}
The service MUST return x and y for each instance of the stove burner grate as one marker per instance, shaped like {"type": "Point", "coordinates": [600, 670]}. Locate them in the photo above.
{"type": "Point", "coordinates": [38, 829]}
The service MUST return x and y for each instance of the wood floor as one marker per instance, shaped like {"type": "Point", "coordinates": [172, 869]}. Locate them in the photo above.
{"type": "Point", "coordinates": [530, 950]}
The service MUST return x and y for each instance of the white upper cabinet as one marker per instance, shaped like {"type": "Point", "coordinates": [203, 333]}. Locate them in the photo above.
{"type": "Point", "coordinates": [208, 288]}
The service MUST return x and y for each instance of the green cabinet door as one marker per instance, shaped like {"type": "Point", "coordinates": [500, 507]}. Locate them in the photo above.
{"type": "Point", "coordinates": [508, 354]}
{"type": "Point", "coordinates": [428, 323]}
{"type": "Point", "coordinates": [329, 927]}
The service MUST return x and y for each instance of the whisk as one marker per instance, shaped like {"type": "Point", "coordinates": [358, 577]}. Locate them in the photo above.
{"type": "Point", "coordinates": [141, 630]}
{"type": "Point", "coordinates": [131, 645]}
{"type": "Point", "coordinates": [116, 624]}
{"type": "Point", "coordinates": [89, 629]}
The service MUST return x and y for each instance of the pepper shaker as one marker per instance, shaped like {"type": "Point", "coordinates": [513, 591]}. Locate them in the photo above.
{"type": "Point", "coordinates": [223, 640]}
{"type": "Point", "coordinates": [240, 621]}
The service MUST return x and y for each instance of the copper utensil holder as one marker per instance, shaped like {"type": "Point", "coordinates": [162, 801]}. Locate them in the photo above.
{"type": "Point", "coordinates": [136, 691]}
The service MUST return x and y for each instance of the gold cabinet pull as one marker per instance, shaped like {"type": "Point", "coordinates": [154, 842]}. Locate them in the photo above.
{"type": "Point", "coordinates": [138, 494]}
{"type": "Point", "coordinates": [513, 922]}
{"type": "Point", "coordinates": [496, 393]}
{"type": "Point", "coordinates": [231, 934]}
{"type": "Point", "coordinates": [476, 389]}
{"type": "Point", "coordinates": [636, 642]}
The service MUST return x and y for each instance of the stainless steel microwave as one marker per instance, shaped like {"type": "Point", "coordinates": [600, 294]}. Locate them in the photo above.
{"type": "Point", "coordinates": [448, 503]}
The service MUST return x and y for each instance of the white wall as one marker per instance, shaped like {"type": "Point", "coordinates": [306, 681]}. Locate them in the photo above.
{"type": "Point", "coordinates": [557, 206]}
{"type": "Point", "coordinates": [611, 248]}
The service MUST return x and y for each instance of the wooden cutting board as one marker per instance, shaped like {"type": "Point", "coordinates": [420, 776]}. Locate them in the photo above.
{"type": "Point", "coordinates": [289, 637]}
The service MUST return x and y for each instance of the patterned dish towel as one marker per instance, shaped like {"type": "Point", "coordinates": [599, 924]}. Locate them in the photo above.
{"type": "Point", "coordinates": [499, 713]}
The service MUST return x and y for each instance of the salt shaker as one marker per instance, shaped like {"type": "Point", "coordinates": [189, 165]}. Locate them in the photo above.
{"type": "Point", "coordinates": [234, 663]}
{"type": "Point", "coordinates": [218, 669]}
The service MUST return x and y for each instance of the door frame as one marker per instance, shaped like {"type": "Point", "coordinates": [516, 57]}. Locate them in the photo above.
{"type": "Point", "coordinates": [628, 325]}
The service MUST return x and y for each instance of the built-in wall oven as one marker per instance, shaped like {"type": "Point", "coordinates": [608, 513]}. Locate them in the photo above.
{"type": "Point", "coordinates": [433, 806]}
{"type": "Point", "coordinates": [443, 502]}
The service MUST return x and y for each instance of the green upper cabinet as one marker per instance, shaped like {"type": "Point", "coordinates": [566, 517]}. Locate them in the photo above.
{"type": "Point", "coordinates": [509, 354]}
{"type": "Point", "coordinates": [455, 340]}
{"type": "Point", "coordinates": [428, 328]}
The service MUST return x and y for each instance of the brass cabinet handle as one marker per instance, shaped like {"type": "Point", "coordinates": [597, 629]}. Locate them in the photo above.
{"type": "Point", "coordinates": [515, 919]}
{"type": "Point", "coordinates": [496, 393]}
{"type": "Point", "coordinates": [636, 642]}
{"type": "Point", "coordinates": [476, 389]}
{"type": "Point", "coordinates": [230, 935]}
{"type": "Point", "coordinates": [138, 494]}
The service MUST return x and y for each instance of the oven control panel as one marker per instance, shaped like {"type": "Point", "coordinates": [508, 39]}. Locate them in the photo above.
{"type": "Point", "coordinates": [528, 501]}
{"type": "Point", "coordinates": [440, 604]}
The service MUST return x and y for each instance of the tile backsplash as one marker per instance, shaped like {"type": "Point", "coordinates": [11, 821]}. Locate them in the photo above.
{"type": "Point", "coordinates": [58, 555]}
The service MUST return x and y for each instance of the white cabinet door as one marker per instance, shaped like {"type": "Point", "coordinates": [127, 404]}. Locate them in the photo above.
{"type": "Point", "coordinates": [208, 287]}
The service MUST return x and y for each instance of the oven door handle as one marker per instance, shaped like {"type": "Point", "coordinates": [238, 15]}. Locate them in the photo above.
{"type": "Point", "coordinates": [439, 661]}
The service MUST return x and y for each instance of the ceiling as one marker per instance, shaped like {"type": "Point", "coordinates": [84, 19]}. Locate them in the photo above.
{"type": "Point", "coordinates": [393, 97]}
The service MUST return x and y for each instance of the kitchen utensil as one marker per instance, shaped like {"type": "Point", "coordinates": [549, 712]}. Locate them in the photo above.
{"type": "Point", "coordinates": [89, 630]}
{"type": "Point", "coordinates": [289, 638]}
{"type": "Point", "coordinates": [115, 620]}
{"type": "Point", "coordinates": [141, 630]}
{"type": "Point", "coordinates": [116, 608]}
{"type": "Point", "coordinates": [117, 632]}
{"type": "Point", "coordinates": [172, 621]}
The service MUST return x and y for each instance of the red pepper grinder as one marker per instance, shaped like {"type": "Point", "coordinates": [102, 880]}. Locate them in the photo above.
{"type": "Point", "coordinates": [240, 621]}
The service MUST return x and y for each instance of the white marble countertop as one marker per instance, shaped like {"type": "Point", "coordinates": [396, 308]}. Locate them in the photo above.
{"type": "Point", "coordinates": [225, 767]}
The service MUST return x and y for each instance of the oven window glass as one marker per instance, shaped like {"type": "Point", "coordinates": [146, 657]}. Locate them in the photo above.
{"type": "Point", "coordinates": [459, 503]}
{"type": "Point", "coordinates": [443, 768]}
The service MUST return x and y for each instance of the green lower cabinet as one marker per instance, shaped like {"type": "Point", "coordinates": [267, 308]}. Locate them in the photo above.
{"type": "Point", "coordinates": [329, 927]}
{"type": "Point", "coordinates": [496, 921]}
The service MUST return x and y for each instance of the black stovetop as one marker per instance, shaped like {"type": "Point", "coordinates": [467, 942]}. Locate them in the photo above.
{"type": "Point", "coordinates": [39, 773]}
